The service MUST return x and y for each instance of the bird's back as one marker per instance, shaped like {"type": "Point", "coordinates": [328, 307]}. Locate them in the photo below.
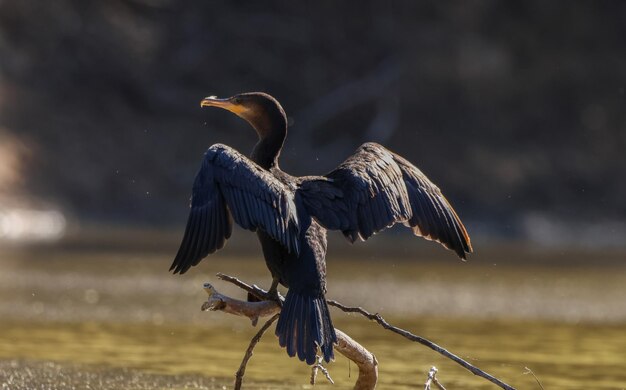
{"type": "Point", "coordinates": [305, 270]}
{"type": "Point", "coordinates": [305, 327]}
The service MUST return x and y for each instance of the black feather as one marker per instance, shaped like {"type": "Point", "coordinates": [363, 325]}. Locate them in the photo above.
{"type": "Point", "coordinates": [371, 190]}
{"type": "Point", "coordinates": [228, 181]}
{"type": "Point", "coordinates": [304, 324]}
{"type": "Point", "coordinates": [378, 189]}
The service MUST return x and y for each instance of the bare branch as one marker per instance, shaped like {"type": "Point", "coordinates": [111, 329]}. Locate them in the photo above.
{"type": "Point", "coordinates": [314, 374]}
{"type": "Point", "coordinates": [431, 376]}
{"type": "Point", "coordinates": [255, 340]}
{"type": "Point", "coordinates": [254, 290]}
{"type": "Point", "coordinates": [252, 310]}
{"type": "Point", "coordinates": [365, 360]}
{"type": "Point", "coordinates": [410, 336]}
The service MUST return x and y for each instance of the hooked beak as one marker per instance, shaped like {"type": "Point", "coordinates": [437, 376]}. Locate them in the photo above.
{"type": "Point", "coordinates": [227, 104]}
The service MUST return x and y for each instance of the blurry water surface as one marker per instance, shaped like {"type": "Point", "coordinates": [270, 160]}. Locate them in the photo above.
{"type": "Point", "coordinates": [117, 319]}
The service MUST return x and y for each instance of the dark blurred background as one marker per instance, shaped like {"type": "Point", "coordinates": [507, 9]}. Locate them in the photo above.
{"type": "Point", "coordinates": [515, 109]}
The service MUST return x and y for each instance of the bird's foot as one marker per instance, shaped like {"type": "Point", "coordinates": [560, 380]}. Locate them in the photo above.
{"type": "Point", "coordinates": [253, 298]}
{"type": "Point", "coordinates": [275, 296]}
{"type": "Point", "coordinates": [271, 295]}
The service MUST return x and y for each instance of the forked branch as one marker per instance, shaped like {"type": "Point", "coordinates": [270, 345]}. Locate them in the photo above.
{"type": "Point", "coordinates": [432, 379]}
{"type": "Point", "coordinates": [366, 361]}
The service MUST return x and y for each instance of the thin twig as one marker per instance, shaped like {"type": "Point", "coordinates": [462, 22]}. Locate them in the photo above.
{"type": "Point", "coordinates": [314, 370]}
{"type": "Point", "coordinates": [439, 385]}
{"type": "Point", "coordinates": [432, 378]}
{"type": "Point", "coordinates": [410, 336]}
{"type": "Point", "coordinates": [431, 375]}
{"type": "Point", "coordinates": [529, 371]}
{"type": "Point", "coordinates": [318, 366]}
{"type": "Point", "coordinates": [257, 337]}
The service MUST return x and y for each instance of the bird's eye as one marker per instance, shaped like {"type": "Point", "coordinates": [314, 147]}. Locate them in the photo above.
{"type": "Point", "coordinates": [237, 100]}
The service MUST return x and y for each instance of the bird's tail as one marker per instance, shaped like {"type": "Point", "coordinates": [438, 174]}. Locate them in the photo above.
{"type": "Point", "coordinates": [304, 325]}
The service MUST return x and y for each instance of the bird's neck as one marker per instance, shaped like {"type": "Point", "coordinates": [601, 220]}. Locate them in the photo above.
{"type": "Point", "coordinates": [271, 140]}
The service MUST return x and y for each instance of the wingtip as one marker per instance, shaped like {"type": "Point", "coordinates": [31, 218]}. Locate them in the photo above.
{"type": "Point", "coordinates": [178, 268]}
{"type": "Point", "coordinates": [462, 253]}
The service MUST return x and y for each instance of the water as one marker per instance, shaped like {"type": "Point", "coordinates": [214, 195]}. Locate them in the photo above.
{"type": "Point", "coordinates": [118, 320]}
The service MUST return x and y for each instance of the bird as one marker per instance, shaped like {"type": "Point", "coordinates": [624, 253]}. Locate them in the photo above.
{"type": "Point", "coordinates": [371, 190]}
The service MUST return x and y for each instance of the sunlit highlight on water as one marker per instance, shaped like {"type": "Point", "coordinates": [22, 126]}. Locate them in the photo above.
{"type": "Point", "coordinates": [27, 225]}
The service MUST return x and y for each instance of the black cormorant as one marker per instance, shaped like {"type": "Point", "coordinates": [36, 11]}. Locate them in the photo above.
{"type": "Point", "coordinates": [371, 190]}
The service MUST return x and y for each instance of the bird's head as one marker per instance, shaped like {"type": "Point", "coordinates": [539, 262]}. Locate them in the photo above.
{"type": "Point", "coordinates": [261, 110]}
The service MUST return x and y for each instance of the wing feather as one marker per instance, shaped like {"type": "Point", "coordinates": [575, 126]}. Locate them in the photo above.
{"type": "Point", "coordinates": [229, 184]}
{"type": "Point", "coordinates": [374, 189]}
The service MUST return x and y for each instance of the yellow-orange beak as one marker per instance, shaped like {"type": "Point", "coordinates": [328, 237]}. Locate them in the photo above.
{"type": "Point", "coordinates": [227, 104]}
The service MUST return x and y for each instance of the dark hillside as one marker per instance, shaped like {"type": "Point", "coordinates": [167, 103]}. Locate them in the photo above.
{"type": "Point", "coordinates": [516, 109]}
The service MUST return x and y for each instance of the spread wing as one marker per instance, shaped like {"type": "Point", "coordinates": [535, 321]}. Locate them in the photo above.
{"type": "Point", "coordinates": [374, 189]}
{"type": "Point", "coordinates": [229, 184]}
